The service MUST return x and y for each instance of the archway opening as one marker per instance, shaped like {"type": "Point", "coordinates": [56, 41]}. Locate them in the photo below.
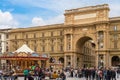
{"type": "Point", "coordinates": [115, 61]}
{"type": "Point", "coordinates": [85, 48]}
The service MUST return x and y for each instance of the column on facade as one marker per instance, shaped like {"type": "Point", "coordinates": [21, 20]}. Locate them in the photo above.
{"type": "Point", "coordinates": [105, 60]}
{"type": "Point", "coordinates": [47, 64]}
{"type": "Point", "coordinates": [20, 64]}
{"type": "Point", "coordinates": [65, 61]}
{"type": "Point", "coordinates": [72, 60]}
{"type": "Point", "coordinates": [65, 47]}
{"type": "Point", "coordinates": [30, 43]}
{"type": "Point", "coordinates": [71, 42]}
{"type": "Point", "coordinates": [47, 45]}
{"type": "Point", "coordinates": [104, 40]}
{"type": "Point", "coordinates": [105, 47]}
{"type": "Point", "coordinates": [26, 64]}
{"type": "Point", "coordinates": [97, 53]}
{"type": "Point", "coordinates": [109, 60]}
{"type": "Point", "coordinates": [38, 48]}
{"type": "Point", "coordinates": [75, 61]}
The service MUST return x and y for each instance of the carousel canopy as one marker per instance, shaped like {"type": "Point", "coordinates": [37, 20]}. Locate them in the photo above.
{"type": "Point", "coordinates": [23, 53]}
{"type": "Point", "coordinates": [24, 48]}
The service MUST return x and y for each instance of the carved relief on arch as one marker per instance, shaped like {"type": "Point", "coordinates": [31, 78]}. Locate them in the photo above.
{"type": "Point", "coordinates": [68, 31]}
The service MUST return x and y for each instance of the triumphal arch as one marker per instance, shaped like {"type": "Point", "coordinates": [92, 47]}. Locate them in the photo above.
{"type": "Point", "coordinates": [88, 37]}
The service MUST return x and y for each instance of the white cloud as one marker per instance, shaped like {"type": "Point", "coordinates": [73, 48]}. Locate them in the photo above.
{"type": "Point", "coordinates": [58, 7]}
{"type": "Point", "coordinates": [38, 21]}
{"type": "Point", "coordinates": [56, 20]}
{"type": "Point", "coordinates": [7, 20]}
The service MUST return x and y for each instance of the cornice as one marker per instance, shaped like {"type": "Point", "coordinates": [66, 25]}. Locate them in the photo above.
{"type": "Point", "coordinates": [86, 24]}
{"type": "Point", "coordinates": [38, 28]}
{"type": "Point", "coordinates": [114, 19]}
{"type": "Point", "coordinates": [87, 9]}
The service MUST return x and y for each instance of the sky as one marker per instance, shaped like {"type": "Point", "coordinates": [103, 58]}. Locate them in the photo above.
{"type": "Point", "coordinates": [30, 13]}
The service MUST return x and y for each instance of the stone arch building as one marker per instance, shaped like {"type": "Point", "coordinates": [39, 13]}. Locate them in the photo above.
{"type": "Point", "coordinates": [88, 37]}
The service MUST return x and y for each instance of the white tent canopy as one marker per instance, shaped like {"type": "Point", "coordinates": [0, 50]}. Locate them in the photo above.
{"type": "Point", "coordinates": [24, 48]}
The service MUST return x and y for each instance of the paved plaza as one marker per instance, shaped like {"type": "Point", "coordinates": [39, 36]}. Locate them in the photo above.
{"type": "Point", "coordinates": [22, 78]}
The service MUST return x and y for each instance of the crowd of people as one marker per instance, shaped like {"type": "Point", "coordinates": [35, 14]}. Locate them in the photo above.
{"type": "Point", "coordinates": [87, 73]}
{"type": "Point", "coordinates": [8, 73]}
{"type": "Point", "coordinates": [35, 72]}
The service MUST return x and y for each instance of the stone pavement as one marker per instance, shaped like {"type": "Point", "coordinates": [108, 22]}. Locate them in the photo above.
{"type": "Point", "coordinates": [83, 78]}
{"type": "Point", "coordinates": [22, 78]}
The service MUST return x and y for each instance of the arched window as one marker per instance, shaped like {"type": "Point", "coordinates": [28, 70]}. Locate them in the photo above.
{"type": "Point", "coordinates": [115, 60]}
{"type": "Point", "coordinates": [61, 60]}
{"type": "Point", "coordinates": [52, 60]}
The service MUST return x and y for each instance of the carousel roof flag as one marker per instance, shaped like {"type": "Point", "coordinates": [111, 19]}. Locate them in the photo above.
{"type": "Point", "coordinates": [24, 48]}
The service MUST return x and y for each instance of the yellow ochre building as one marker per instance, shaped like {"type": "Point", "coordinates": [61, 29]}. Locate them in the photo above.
{"type": "Point", "coordinates": [88, 37]}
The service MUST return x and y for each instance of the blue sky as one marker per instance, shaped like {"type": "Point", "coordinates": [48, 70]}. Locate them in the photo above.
{"type": "Point", "coordinates": [27, 13]}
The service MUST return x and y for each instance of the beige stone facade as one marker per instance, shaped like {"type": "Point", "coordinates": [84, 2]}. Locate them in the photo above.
{"type": "Point", "coordinates": [87, 37]}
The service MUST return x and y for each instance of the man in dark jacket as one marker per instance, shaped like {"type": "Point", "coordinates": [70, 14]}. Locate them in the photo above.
{"type": "Point", "coordinates": [113, 76]}
{"type": "Point", "coordinates": [109, 73]}
{"type": "Point", "coordinates": [86, 74]}
{"type": "Point", "coordinates": [93, 73]}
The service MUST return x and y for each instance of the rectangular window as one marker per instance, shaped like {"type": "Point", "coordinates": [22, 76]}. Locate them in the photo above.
{"type": "Point", "coordinates": [52, 48]}
{"type": "Point", "coordinates": [34, 35]}
{"type": "Point", "coordinates": [61, 48]}
{"type": "Point", "coordinates": [35, 48]}
{"type": "Point", "coordinates": [7, 49]}
{"type": "Point", "coordinates": [115, 28]}
{"type": "Point", "coordinates": [15, 36]}
{"type": "Point", "coordinates": [34, 42]}
{"type": "Point", "coordinates": [26, 36]}
{"type": "Point", "coordinates": [61, 33]}
{"type": "Point", "coordinates": [7, 36]}
{"type": "Point", "coordinates": [42, 34]}
{"type": "Point", "coordinates": [43, 48]}
{"type": "Point", "coordinates": [27, 42]}
{"type": "Point", "coordinates": [51, 33]}
{"type": "Point", "coordinates": [115, 37]}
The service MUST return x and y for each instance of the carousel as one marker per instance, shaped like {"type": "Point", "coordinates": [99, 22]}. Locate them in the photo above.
{"type": "Point", "coordinates": [23, 58]}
